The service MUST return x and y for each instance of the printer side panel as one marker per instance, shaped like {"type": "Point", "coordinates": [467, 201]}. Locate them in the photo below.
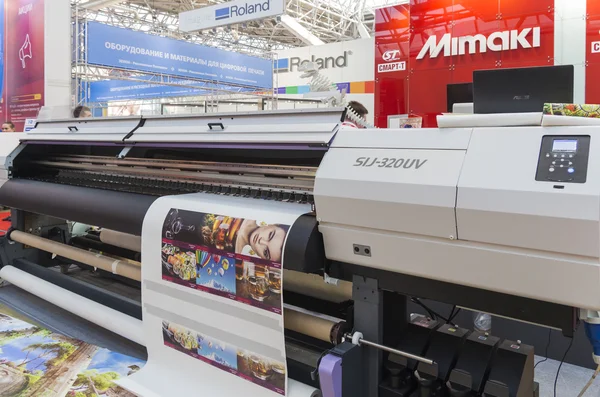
{"type": "Point", "coordinates": [516, 191]}
{"type": "Point", "coordinates": [387, 188]}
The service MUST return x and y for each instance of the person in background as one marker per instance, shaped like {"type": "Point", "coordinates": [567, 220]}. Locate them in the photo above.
{"type": "Point", "coordinates": [357, 108]}
{"type": "Point", "coordinates": [81, 112]}
{"type": "Point", "coordinates": [8, 126]}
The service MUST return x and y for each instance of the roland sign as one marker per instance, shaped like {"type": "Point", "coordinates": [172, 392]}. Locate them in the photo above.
{"type": "Point", "coordinates": [506, 40]}
{"type": "Point", "coordinates": [340, 61]}
{"type": "Point", "coordinates": [248, 8]}
{"type": "Point", "coordinates": [229, 13]}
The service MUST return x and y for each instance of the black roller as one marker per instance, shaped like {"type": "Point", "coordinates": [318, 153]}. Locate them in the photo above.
{"type": "Point", "coordinates": [109, 209]}
{"type": "Point", "coordinates": [304, 248]}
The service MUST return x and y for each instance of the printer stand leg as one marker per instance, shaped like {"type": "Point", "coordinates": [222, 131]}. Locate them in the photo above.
{"type": "Point", "coordinates": [368, 319]}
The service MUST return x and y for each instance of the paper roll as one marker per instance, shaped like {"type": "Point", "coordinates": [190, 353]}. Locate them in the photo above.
{"type": "Point", "coordinates": [112, 320]}
{"type": "Point", "coordinates": [112, 265]}
{"type": "Point", "coordinates": [297, 389]}
{"type": "Point", "coordinates": [122, 240]}
{"type": "Point", "coordinates": [303, 323]}
{"type": "Point", "coordinates": [313, 285]}
{"type": "Point", "coordinates": [489, 120]}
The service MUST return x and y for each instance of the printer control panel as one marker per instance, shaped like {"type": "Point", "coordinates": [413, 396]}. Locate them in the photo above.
{"type": "Point", "coordinates": [563, 159]}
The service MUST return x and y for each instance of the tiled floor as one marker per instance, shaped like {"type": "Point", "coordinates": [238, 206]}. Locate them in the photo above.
{"type": "Point", "coordinates": [570, 380]}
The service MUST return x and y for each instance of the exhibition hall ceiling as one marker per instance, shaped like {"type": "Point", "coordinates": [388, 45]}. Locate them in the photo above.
{"type": "Point", "coordinates": [329, 20]}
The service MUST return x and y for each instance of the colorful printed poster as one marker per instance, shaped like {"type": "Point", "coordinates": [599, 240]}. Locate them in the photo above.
{"type": "Point", "coordinates": [243, 363]}
{"type": "Point", "coordinates": [24, 60]}
{"type": "Point", "coordinates": [232, 257]}
{"type": "Point", "coordinates": [572, 110]}
{"type": "Point", "coordinates": [212, 296]}
{"type": "Point", "coordinates": [37, 362]}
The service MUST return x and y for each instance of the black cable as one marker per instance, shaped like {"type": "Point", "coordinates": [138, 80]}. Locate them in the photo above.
{"type": "Point", "coordinates": [561, 363]}
{"type": "Point", "coordinates": [545, 354]}
{"type": "Point", "coordinates": [451, 315]}
{"type": "Point", "coordinates": [431, 312]}
{"type": "Point", "coordinates": [455, 314]}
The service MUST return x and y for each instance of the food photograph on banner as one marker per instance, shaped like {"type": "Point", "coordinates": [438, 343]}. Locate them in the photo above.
{"type": "Point", "coordinates": [213, 291]}
{"type": "Point", "coordinates": [245, 364]}
{"type": "Point", "coordinates": [232, 257]}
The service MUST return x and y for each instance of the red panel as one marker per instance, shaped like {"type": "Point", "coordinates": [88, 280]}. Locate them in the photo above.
{"type": "Point", "coordinates": [391, 97]}
{"type": "Point", "coordinates": [391, 52]}
{"type": "Point", "coordinates": [538, 14]}
{"type": "Point", "coordinates": [592, 88]}
{"type": "Point", "coordinates": [449, 39]}
{"type": "Point", "coordinates": [474, 17]}
{"type": "Point", "coordinates": [520, 8]}
{"type": "Point", "coordinates": [427, 94]}
{"type": "Point", "coordinates": [430, 20]}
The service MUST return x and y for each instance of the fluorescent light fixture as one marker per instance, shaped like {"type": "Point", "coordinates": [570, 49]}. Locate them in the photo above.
{"type": "Point", "coordinates": [299, 31]}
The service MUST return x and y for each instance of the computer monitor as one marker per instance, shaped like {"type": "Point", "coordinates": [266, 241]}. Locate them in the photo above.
{"type": "Point", "coordinates": [521, 90]}
{"type": "Point", "coordinates": [458, 93]}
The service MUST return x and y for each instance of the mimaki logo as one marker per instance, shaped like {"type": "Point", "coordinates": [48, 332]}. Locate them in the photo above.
{"type": "Point", "coordinates": [243, 10]}
{"type": "Point", "coordinates": [506, 40]}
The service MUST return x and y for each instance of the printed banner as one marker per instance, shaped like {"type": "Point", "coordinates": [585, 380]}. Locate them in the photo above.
{"type": "Point", "coordinates": [236, 258]}
{"type": "Point", "coordinates": [213, 291]}
{"type": "Point", "coordinates": [38, 362]}
{"type": "Point", "coordinates": [242, 363]}
{"type": "Point", "coordinates": [24, 60]}
{"type": "Point", "coordinates": [118, 90]}
{"type": "Point", "coordinates": [127, 49]}
{"type": "Point", "coordinates": [572, 110]}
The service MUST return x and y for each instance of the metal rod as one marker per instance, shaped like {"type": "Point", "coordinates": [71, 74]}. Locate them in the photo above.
{"type": "Point", "coordinates": [393, 351]}
{"type": "Point", "coordinates": [286, 170]}
{"type": "Point", "coordinates": [186, 175]}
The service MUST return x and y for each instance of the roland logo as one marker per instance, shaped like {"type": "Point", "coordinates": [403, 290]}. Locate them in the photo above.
{"type": "Point", "coordinates": [506, 40]}
{"type": "Point", "coordinates": [248, 8]}
{"type": "Point", "coordinates": [389, 162]}
{"type": "Point", "coordinates": [323, 62]}
{"type": "Point", "coordinates": [521, 98]}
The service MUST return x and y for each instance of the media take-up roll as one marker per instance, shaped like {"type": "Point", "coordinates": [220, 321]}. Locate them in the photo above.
{"type": "Point", "coordinates": [212, 297]}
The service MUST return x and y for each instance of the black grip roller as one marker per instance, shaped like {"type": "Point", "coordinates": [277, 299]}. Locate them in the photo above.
{"type": "Point", "coordinates": [109, 209]}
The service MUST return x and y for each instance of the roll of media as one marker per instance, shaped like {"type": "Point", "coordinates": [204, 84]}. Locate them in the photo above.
{"type": "Point", "coordinates": [123, 267]}
{"type": "Point", "coordinates": [115, 321]}
{"type": "Point", "coordinates": [212, 296]}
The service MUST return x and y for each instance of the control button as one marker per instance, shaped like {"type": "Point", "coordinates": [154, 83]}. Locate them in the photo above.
{"type": "Point", "coordinates": [554, 162]}
{"type": "Point", "coordinates": [562, 155]}
{"type": "Point", "coordinates": [555, 155]}
{"type": "Point", "coordinates": [562, 160]}
{"type": "Point", "coordinates": [562, 165]}
{"type": "Point", "coordinates": [571, 170]}
{"type": "Point", "coordinates": [570, 156]}
{"type": "Point", "coordinates": [570, 163]}
{"type": "Point", "coordinates": [551, 169]}
{"type": "Point", "coordinates": [547, 154]}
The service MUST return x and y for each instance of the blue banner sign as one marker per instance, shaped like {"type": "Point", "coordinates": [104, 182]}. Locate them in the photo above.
{"type": "Point", "coordinates": [119, 90]}
{"type": "Point", "coordinates": [127, 49]}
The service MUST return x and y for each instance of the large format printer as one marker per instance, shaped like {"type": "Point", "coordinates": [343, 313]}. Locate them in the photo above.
{"type": "Point", "coordinates": [499, 220]}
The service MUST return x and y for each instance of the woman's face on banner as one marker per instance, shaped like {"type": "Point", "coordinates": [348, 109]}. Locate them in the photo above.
{"type": "Point", "coordinates": [267, 242]}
